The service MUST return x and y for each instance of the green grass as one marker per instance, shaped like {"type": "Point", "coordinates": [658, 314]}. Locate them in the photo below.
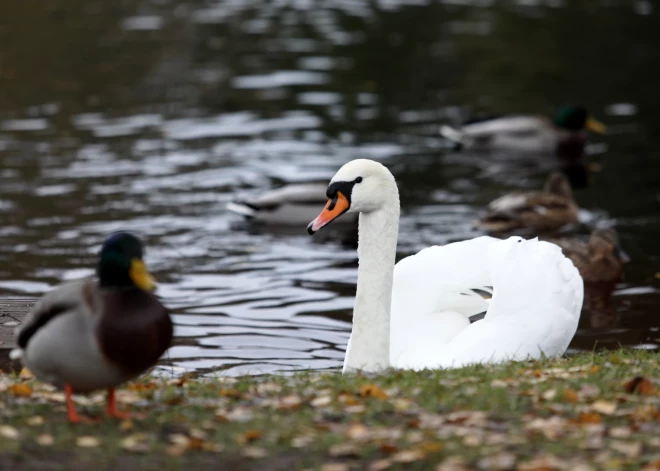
{"type": "Point", "coordinates": [550, 414]}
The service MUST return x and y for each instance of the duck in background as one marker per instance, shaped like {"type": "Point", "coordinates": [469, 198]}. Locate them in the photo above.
{"type": "Point", "coordinates": [565, 135]}
{"type": "Point", "coordinates": [91, 334]}
{"type": "Point", "coordinates": [292, 205]}
{"type": "Point", "coordinates": [600, 262]}
{"type": "Point", "coordinates": [534, 211]}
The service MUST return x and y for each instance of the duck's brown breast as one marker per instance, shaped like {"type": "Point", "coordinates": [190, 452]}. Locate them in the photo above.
{"type": "Point", "coordinates": [134, 329]}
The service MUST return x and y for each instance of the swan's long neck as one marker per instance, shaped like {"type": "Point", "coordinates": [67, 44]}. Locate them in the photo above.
{"type": "Point", "coordinates": [369, 348]}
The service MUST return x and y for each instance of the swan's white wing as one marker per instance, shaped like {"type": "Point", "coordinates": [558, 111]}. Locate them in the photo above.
{"type": "Point", "coordinates": [431, 297]}
{"type": "Point", "coordinates": [534, 311]}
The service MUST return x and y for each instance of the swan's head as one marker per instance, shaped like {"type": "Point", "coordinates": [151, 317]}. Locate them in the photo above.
{"type": "Point", "coordinates": [360, 186]}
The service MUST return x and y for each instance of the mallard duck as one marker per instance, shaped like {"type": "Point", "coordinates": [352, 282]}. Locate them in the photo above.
{"type": "Point", "coordinates": [600, 263]}
{"type": "Point", "coordinates": [289, 205]}
{"type": "Point", "coordinates": [536, 211]}
{"type": "Point", "coordinates": [564, 135]}
{"type": "Point", "coordinates": [92, 334]}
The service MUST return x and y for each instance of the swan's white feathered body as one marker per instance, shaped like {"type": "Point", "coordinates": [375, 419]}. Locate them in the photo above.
{"type": "Point", "coordinates": [415, 315]}
{"type": "Point", "coordinates": [534, 310]}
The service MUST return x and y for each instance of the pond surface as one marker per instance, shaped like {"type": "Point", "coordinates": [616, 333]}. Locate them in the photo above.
{"type": "Point", "coordinates": [153, 118]}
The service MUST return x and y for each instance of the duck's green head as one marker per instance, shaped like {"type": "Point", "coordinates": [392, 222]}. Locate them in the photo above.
{"type": "Point", "coordinates": [121, 265]}
{"type": "Point", "coordinates": [576, 118]}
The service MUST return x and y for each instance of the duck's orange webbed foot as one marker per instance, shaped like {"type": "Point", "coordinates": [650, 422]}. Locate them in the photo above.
{"type": "Point", "coordinates": [112, 410]}
{"type": "Point", "coordinates": [71, 412]}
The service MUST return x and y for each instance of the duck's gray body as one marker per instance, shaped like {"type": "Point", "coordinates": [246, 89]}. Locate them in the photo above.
{"type": "Point", "coordinates": [65, 338]}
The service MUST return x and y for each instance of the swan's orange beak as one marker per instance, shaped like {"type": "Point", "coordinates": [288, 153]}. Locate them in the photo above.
{"type": "Point", "coordinates": [335, 208]}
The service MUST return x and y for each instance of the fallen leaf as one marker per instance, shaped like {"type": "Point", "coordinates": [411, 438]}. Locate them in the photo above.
{"type": "Point", "coordinates": [630, 449]}
{"type": "Point", "coordinates": [348, 399]}
{"type": "Point", "coordinates": [233, 393]}
{"type": "Point", "coordinates": [646, 413]}
{"type": "Point", "coordinates": [45, 439]}
{"type": "Point", "coordinates": [620, 432]}
{"type": "Point", "coordinates": [21, 390]}
{"type": "Point", "coordinates": [249, 436]}
{"type": "Point", "coordinates": [429, 448]}
{"type": "Point", "coordinates": [254, 452]}
{"type": "Point", "coordinates": [135, 443]}
{"type": "Point", "coordinates": [570, 395]}
{"type": "Point", "coordinates": [379, 465]}
{"type": "Point", "coordinates": [320, 401]}
{"type": "Point", "coordinates": [357, 432]}
{"type": "Point", "coordinates": [87, 441]}
{"type": "Point", "coordinates": [594, 369]}
{"type": "Point", "coordinates": [388, 448]}
{"type": "Point", "coordinates": [371, 390]}
{"type": "Point", "coordinates": [141, 387]}
{"type": "Point", "coordinates": [604, 407]}
{"type": "Point", "coordinates": [335, 467]}
{"type": "Point", "coordinates": [25, 374]}
{"type": "Point", "coordinates": [408, 456]}
{"type": "Point", "coordinates": [589, 418]}
{"type": "Point", "coordinates": [549, 395]}
{"type": "Point", "coordinates": [126, 425]}
{"type": "Point", "coordinates": [498, 461]}
{"type": "Point", "coordinates": [639, 385]}
{"type": "Point", "coordinates": [302, 441]}
{"type": "Point", "coordinates": [35, 421]}
{"type": "Point", "coordinates": [344, 450]}
{"type": "Point", "coordinates": [498, 383]}
{"type": "Point", "coordinates": [9, 432]}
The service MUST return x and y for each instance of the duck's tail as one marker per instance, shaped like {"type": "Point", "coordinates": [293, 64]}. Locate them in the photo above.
{"type": "Point", "coordinates": [454, 135]}
{"type": "Point", "coordinates": [242, 208]}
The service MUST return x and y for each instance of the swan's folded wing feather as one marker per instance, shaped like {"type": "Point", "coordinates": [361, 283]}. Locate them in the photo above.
{"type": "Point", "coordinates": [534, 312]}
{"type": "Point", "coordinates": [438, 278]}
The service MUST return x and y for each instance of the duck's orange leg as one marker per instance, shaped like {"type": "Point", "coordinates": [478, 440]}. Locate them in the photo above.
{"type": "Point", "coordinates": [112, 406]}
{"type": "Point", "coordinates": [73, 416]}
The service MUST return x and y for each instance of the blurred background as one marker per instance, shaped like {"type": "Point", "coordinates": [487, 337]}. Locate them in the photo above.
{"type": "Point", "coordinates": [151, 116]}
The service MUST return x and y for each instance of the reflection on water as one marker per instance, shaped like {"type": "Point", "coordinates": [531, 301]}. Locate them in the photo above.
{"type": "Point", "coordinates": [153, 118]}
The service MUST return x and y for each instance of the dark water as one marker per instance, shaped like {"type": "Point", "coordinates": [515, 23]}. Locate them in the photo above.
{"type": "Point", "coordinates": [152, 118]}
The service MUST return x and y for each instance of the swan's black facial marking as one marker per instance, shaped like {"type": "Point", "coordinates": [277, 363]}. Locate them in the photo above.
{"type": "Point", "coordinates": [345, 188]}
{"type": "Point", "coordinates": [339, 195]}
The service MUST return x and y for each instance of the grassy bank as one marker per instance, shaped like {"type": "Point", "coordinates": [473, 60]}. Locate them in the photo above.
{"type": "Point", "coordinates": [585, 412]}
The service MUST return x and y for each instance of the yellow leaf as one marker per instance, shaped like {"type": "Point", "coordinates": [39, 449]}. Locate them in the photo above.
{"type": "Point", "coordinates": [233, 393]}
{"type": "Point", "coordinates": [570, 395]}
{"type": "Point", "coordinates": [371, 390]}
{"type": "Point", "coordinates": [595, 369]}
{"type": "Point", "coordinates": [348, 399]}
{"type": "Point", "coordinates": [589, 418]}
{"type": "Point", "coordinates": [21, 390]}
{"type": "Point", "coordinates": [25, 374]}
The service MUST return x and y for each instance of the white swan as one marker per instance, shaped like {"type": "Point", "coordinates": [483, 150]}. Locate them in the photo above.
{"type": "Point", "coordinates": [416, 315]}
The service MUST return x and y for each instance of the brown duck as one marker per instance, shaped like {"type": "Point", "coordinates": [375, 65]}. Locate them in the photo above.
{"type": "Point", "coordinates": [600, 263]}
{"type": "Point", "coordinates": [536, 211]}
{"type": "Point", "coordinates": [91, 334]}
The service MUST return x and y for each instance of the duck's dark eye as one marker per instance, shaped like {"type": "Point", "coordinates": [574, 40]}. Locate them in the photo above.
{"type": "Point", "coordinates": [358, 179]}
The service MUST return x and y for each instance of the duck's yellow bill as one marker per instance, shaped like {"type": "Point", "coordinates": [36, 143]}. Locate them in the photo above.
{"type": "Point", "coordinates": [596, 126]}
{"type": "Point", "coordinates": [140, 276]}
{"type": "Point", "coordinates": [335, 208]}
